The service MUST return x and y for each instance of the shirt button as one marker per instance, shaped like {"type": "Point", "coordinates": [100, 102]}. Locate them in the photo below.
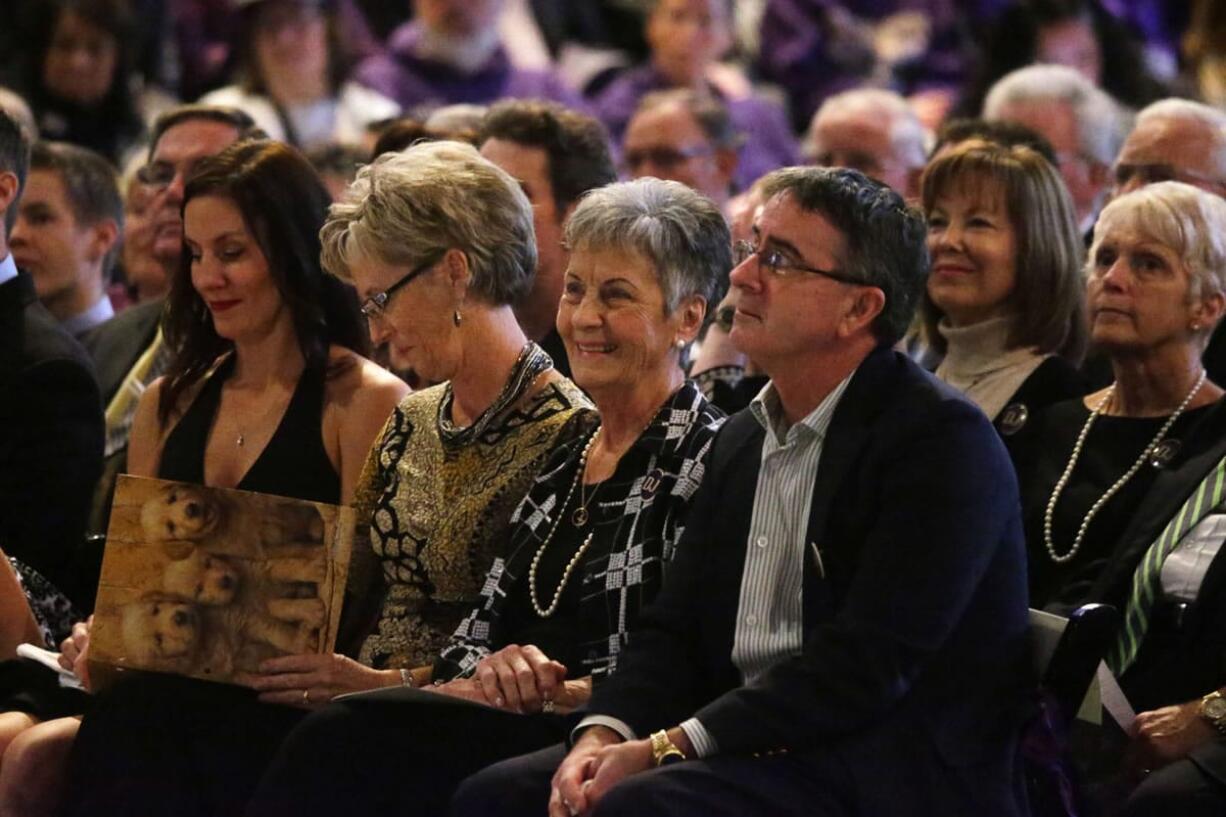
{"type": "Point", "coordinates": [760, 541]}
{"type": "Point", "coordinates": [751, 619]}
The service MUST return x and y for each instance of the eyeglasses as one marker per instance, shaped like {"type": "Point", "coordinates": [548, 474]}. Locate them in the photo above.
{"type": "Point", "coordinates": [159, 175]}
{"type": "Point", "coordinates": [374, 306]}
{"type": "Point", "coordinates": [1153, 173]}
{"type": "Point", "coordinates": [781, 266]}
{"type": "Point", "coordinates": [662, 156]}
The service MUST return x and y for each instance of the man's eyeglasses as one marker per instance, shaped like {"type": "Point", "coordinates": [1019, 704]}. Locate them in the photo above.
{"type": "Point", "coordinates": [159, 175]}
{"type": "Point", "coordinates": [374, 306]}
{"type": "Point", "coordinates": [1153, 173]}
{"type": "Point", "coordinates": [662, 156]}
{"type": "Point", "coordinates": [780, 265]}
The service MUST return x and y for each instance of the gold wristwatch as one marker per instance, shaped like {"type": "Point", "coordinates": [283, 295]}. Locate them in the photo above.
{"type": "Point", "coordinates": [663, 750]}
{"type": "Point", "coordinates": [1213, 709]}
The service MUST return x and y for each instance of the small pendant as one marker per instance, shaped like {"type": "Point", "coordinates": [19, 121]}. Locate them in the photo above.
{"type": "Point", "coordinates": [1163, 452]}
{"type": "Point", "coordinates": [579, 517]}
{"type": "Point", "coordinates": [239, 441]}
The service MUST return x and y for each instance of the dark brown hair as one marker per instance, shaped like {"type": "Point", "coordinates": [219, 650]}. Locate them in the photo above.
{"type": "Point", "coordinates": [283, 203]}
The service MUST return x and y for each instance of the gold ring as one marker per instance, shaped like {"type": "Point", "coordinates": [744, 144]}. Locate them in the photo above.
{"type": "Point", "coordinates": [306, 696]}
{"type": "Point", "coordinates": [547, 706]}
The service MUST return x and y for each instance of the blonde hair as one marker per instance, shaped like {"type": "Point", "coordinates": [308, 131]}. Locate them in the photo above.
{"type": "Point", "coordinates": [407, 206]}
{"type": "Point", "coordinates": [1184, 218]}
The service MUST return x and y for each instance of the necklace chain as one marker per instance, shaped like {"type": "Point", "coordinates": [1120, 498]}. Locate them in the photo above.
{"type": "Point", "coordinates": [546, 612]}
{"type": "Point", "coordinates": [1049, 513]}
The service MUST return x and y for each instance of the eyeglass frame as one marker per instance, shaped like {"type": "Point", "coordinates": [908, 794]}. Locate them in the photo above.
{"type": "Point", "coordinates": [143, 174]}
{"type": "Point", "coordinates": [376, 305]}
{"type": "Point", "coordinates": [664, 155]}
{"type": "Point", "coordinates": [1156, 172]}
{"type": "Point", "coordinates": [775, 261]}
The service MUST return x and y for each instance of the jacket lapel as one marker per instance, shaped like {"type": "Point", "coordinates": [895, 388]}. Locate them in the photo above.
{"type": "Point", "coordinates": [869, 390]}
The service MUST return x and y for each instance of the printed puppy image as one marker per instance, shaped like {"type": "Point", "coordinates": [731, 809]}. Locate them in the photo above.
{"type": "Point", "coordinates": [202, 577]}
{"type": "Point", "coordinates": [161, 631]}
{"type": "Point", "coordinates": [261, 599]}
{"type": "Point", "coordinates": [180, 512]}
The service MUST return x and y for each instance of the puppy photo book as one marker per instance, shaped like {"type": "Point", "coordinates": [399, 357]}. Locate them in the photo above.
{"type": "Point", "coordinates": [209, 582]}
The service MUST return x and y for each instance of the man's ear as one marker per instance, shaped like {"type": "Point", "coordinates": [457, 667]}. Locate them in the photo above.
{"type": "Point", "coordinates": [862, 310]}
{"type": "Point", "coordinates": [103, 237]}
{"type": "Point", "coordinates": [10, 191]}
{"type": "Point", "coordinates": [727, 159]}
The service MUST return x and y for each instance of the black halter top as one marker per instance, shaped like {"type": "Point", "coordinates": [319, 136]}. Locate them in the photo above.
{"type": "Point", "coordinates": [293, 464]}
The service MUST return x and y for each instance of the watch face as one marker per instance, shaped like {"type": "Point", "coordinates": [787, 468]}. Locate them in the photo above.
{"type": "Point", "coordinates": [1215, 708]}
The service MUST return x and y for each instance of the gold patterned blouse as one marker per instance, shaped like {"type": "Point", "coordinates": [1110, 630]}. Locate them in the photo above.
{"type": "Point", "coordinates": [442, 506]}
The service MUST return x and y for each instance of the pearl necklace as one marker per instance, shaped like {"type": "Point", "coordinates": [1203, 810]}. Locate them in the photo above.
{"type": "Point", "coordinates": [1049, 513]}
{"type": "Point", "coordinates": [574, 560]}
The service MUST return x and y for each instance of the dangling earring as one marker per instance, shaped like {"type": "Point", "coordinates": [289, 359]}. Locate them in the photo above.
{"type": "Point", "coordinates": [457, 318]}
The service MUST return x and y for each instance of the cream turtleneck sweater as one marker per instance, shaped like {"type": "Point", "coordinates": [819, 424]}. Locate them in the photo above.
{"type": "Point", "coordinates": [977, 362]}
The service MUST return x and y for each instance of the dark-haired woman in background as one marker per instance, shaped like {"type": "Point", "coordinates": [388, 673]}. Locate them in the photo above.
{"type": "Point", "coordinates": [267, 391]}
{"type": "Point", "coordinates": [1081, 34]}
{"type": "Point", "coordinates": [1005, 302]}
{"type": "Point", "coordinates": [77, 75]}
{"type": "Point", "coordinates": [294, 77]}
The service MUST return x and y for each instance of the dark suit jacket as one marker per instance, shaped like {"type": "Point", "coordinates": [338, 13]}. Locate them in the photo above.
{"type": "Point", "coordinates": [913, 676]}
{"type": "Point", "coordinates": [116, 344]}
{"type": "Point", "coordinates": [51, 433]}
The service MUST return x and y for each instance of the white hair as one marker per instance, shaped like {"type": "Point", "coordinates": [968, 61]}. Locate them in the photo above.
{"type": "Point", "coordinates": [1188, 220]}
{"type": "Point", "coordinates": [909, 139]}
{"type": "Point", "coordinates": [1100, 121]}
{"type": "Point", "coordinates": [1197, 114]}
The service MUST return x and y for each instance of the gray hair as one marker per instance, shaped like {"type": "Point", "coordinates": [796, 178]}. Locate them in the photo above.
{"type": "Point", "coordinates": [909, 139]}
{"type": "Point", "coordinates": [1188, 220]}
{"type": "Point", "coordinates": [680, 232]}
{"type": "Point", "coordinates": [1212, 120]}
{"type": "Point", "coordinates": [407, 206]}
{"type": "Point", "coordinates": [886, 240]}
{"type": "Point", "coordinates": [1100, 122]}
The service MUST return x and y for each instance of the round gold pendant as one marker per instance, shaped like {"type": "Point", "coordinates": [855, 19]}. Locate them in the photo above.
{"type": "Point", "coordinates": [579, 517]}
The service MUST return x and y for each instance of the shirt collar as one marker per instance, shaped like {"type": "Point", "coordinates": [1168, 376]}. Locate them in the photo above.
{"type": "Point", "coordinates": [768, 411]}
{"type": "Point", "coordinates": [8, 268]}
{"type": "Point", "coordinates": [82, 322]}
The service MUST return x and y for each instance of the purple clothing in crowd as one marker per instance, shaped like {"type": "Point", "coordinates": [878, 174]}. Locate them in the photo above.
{"type": "Point", "coordinates": [420, 85]}
{"type": "Point", "coordinates": [763, 125]}
{"type": "Point", "coordinates": [812, 59]}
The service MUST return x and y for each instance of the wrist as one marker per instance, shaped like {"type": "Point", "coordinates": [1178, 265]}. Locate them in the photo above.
{"type": "Point", "coordinates": [599, 735]}
{"type": "Point", "coordinates": [682, 741]}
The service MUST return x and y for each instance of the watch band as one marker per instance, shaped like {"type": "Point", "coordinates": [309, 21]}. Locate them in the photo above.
{"type": "Point", "coordinates": [663, 750]}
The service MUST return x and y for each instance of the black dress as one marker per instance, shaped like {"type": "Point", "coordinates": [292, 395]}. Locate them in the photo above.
{"type": "Point", "coordinates": [1110, 449]}
{"type": "Point", "coordinates": [293, 464]}
{"type": "Point", "coordinates": [122, 758]}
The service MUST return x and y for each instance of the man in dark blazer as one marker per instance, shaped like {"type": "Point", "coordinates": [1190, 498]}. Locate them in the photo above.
{"type": "Point", "coordinates": [857, 651]}
{"type": "Point", "coordinates": [50, 411]}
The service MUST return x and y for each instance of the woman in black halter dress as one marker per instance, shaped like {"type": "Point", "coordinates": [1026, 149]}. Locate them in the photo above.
{"type": "Point", "coordinates": [267, 390]}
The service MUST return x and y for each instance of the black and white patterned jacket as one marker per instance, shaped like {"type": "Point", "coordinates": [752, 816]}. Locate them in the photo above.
{"type": "Point", "coordinates": [623, 568]}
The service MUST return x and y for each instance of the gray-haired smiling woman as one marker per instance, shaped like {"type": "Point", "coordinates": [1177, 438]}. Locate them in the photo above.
{"type": "Point", "coordinates": [588, 545]}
